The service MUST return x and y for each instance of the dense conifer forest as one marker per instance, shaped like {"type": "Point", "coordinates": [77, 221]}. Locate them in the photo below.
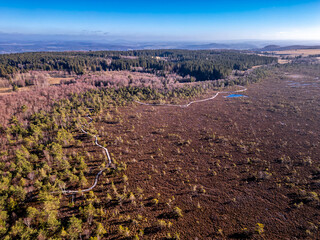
{"type": "Point", "coordinates": [200, 65]}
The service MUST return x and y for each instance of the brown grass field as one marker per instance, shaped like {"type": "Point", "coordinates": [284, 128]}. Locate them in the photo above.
{"type": "Point", "coordinates": [297, 52]}
{"type": "Point", "coordinates": [239, 168]}
{"type": "Point", "coordinates": [4, 91]}
{"type": "Point", "coordinates": [51, 81]}
{"type": "Point", "coordinates": [57, 80]}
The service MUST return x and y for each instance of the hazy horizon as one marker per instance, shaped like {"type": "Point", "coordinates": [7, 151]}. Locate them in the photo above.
{"type": "Point", "coordinates": [188, 21]}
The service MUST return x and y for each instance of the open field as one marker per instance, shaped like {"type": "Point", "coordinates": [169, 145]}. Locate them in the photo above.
{"type": "Point", "coordinates": [5, 90]}
{"type": "Point", "coordinates": [48, 81]}
{"type": "Point", "coordinates": [57, 80]}
{"type": "Point", "coordinates": [297, 52]}
{"type": "Point", "coordinates": [231, 164]}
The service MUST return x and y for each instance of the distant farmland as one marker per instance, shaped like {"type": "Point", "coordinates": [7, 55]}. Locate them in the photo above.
{"type": "Point", "coordinates": [297, 52]}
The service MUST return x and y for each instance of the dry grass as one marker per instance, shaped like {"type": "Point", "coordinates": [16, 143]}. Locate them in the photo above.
{"type": "Point", "coordinates": [298, 52]}
{"type": "Point", "coordinates": [4, 91]}
{"type": "Point", "coordinates": [57, 80]}
{"type": "Point", "coordinates": [283, 61]}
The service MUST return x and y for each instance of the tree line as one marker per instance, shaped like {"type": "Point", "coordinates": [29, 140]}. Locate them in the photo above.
{"type": "Point", "coordinates": [200, 64]}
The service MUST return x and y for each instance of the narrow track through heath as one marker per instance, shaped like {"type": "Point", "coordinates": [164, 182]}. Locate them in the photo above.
{"type": "Point", "coordinates": [106, 150]}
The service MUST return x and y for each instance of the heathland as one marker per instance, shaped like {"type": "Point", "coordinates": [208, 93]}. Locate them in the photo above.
{"type": "Point", "coordinates": [102, 145]}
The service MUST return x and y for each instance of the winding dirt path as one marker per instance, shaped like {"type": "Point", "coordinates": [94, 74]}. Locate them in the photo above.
{"type": "Point", "coordinates": [192, 102]}
{"type": "Point", "coordinates": [106, 150]}
{"type": "Point", "coordinates": [99, 173]}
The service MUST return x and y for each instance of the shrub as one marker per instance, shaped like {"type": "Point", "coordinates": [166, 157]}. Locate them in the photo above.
{"type": "Point", "coordinates": [155, 201]}
{"type": "Point", "coordinates": [259, 228]}
{"type": "Point", "coordinates": [124, 231]}
{"type": "Point", "coordinates": [100, 230]}
{"type": "Point", "coordinates": [75, 227]}
{"type": "Point", "coordinates": [177, 212]}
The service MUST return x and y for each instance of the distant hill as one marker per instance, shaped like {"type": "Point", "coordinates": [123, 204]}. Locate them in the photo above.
{"type": "Point", "coordinates": [236, 46]}
{"type": "Point", "coordinates": [8, 44]}
{"type": "Point", "coordinates": [58, 46]}
{"type": "Point", "coordinates": [292, 47]}
{"type": "Point", "coordinates": [50, 46]}
{"type": "Point", "coordinates": [18, 43]}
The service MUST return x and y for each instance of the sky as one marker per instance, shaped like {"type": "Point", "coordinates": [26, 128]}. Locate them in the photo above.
{"type": "Point", "coordinates": [181, 20]}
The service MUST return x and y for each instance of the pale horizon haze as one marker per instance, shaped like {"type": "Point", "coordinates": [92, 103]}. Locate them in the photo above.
{"type": "Point", "coordinates": [165, 20]}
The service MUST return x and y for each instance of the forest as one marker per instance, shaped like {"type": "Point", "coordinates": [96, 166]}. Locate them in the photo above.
{"type": "Point", "coordinates": [199, 65]}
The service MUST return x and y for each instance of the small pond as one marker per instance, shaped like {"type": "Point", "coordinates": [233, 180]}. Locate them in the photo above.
{"type": "Point", "coordinates": [235, 95]}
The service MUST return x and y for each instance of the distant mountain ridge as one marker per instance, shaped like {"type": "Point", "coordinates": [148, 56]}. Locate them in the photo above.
{"type": "Point", "coordinates": [58, 47]}
{"type": "Point", "coordinates": [47, 46]}
{"type": "Point", "coordinates": [292, 47]}
{"type": "Point", "coordinates": [14, 45]}
{"type": "Point", "coordinates": [236, 46]}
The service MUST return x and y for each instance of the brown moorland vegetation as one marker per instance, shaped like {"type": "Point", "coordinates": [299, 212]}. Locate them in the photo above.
{"type": "Point", "coordinates": [230, 168]}
{"type": "Point", "coordinates": [238, 168]}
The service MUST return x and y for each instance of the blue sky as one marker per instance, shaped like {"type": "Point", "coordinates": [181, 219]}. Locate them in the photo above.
{"type": "Point", "coordinates": [165, 20]}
